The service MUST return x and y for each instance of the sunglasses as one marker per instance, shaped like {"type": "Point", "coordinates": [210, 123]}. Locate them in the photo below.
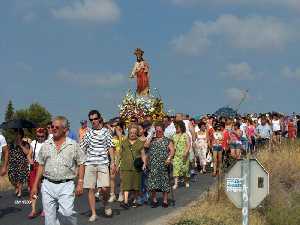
{"type": "Point", "coordinates": [92, 119]}
{"type": "Point", "coordinates": [55, 127]}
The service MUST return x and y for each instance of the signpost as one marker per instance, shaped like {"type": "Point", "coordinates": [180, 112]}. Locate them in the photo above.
{"type": "Point", "coordinates": [247, 184]}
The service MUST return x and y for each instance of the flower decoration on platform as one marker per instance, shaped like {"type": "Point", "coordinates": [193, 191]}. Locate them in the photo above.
{"type": "Point", "coordinates": [140, 106]}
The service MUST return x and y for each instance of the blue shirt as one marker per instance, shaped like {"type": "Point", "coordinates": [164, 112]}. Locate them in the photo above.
{"type": "Point", "coordinates": [264, 131]}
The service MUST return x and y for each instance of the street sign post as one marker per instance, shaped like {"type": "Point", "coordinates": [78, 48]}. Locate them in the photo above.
{"type": "Point", "coordinates": [247, 184]}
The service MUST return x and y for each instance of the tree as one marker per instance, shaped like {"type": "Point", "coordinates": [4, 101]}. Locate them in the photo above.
{"type": "Point", "coordinates": [9, 114]}
{"type": "Point", "coordinates": [35, 113]}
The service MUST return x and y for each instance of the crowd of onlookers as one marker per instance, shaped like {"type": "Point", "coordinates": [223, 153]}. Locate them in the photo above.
{"type": "Point", "coordinates": [131, 162]}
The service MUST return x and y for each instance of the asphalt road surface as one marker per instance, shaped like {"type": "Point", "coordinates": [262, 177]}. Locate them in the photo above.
{"type": "Point", "coordinates": [14, 211]}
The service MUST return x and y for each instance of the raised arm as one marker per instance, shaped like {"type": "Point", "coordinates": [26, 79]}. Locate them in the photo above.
{"type": "Point", "coordinates": [144, 158]}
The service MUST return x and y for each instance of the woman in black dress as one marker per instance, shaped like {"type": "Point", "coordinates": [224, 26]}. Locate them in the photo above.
{"type": "Point", "coordinates": [17, 162]}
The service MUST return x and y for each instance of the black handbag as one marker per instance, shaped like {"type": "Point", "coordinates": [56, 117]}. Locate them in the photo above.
{"type": "Point", "coordinates": [138, 163]}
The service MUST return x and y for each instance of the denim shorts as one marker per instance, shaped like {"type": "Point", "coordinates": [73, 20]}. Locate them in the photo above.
{"type": "Point", "coordinates": [235, 146]}
{"type": "Point", "coordinates": [217, 148]}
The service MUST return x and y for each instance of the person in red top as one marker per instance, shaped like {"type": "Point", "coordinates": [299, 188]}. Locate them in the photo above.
{"type": "Point", "coordinates": [291, 130]}
{"type": "Point", "coordinates": [210, 131]}
{"type": "Point", "coordinates": [226, 138]}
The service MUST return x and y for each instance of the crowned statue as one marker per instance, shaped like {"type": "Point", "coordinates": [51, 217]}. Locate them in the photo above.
{"type": "Point", "coordinates": [142, 103]}
{"type": "Point", "coordinates": [141, 72]}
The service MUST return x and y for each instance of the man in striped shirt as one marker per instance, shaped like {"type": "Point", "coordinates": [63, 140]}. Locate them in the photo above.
{"type": "Point", "coordinates": [97, 144]}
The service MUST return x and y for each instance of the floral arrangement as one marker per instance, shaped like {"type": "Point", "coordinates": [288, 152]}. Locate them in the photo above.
{"type": "Point", "coordinates": [140, 106]}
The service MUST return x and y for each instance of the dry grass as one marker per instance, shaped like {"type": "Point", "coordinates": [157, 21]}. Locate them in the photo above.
{"type": "Point", "coordinates": [281, 207]}
{"type": "Point", "coordinates": [5, 185]}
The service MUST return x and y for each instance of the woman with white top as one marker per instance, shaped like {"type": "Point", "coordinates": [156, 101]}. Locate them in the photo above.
{"type": "Point", "coordinates": [276, 128]}
{"type": "Point", "coordinates": [235, 141]}
{"type": "Point", "coordinates": [201, 146]}
{"type": "Point", "coordinates": [36, 145]}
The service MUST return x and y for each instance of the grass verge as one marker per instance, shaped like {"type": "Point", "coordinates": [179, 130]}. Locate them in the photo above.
{"type": "Point", "coordinates": [281, 207]}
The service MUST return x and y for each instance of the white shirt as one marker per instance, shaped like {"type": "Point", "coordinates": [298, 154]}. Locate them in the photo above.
{"type": "Point", "coordinates": [170, 131]}
{"type": "Point", "coordinates": [37, 148]}
{"type": "Point", "coordinates": [187, 127]}
{"type": "Point", "coordinates": [243, 128]}
{"type": "Point", "coordinates": [197, 129]}
{"type": "Point", "coordinates": [2, 144]}
{"type": "Point", "coordinates": [96, 144]}
{"type": "Point", "coordinates": [2, 141]}
{"type": "Point", "coordinates": [50, 136]}
{"type": "Point", "coordinates": [276, 125]}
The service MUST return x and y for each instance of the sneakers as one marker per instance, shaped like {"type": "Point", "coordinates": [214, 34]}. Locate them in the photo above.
{"type": "Point", "coordinates": [112, 197]}
{"type": "Point", "coordinates": [108, 211]}
{"type": "Point", "coordinates": [193, 172]}
{"type": "Point", "coordinates": [93, 218]}
{"type": "Point", "coordinates": [120, 198]}
{"type": "Point", "coordinates": [187, 185]}
{"type": "Point", "coordinates": [97, 194]}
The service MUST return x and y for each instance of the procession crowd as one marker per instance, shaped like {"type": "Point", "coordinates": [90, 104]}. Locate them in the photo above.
{"type": "Point", "coordinates": [131, 162]}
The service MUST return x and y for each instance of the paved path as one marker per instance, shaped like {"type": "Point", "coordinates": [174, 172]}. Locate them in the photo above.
{"type": "Point", "coordinates": [13, 211]}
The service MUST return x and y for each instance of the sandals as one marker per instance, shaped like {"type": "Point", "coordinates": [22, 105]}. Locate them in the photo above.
{"type": "Point", "coordinates": [165, 205]}
{"type": "Point", "coordinates": [154, 204]}
{"type": "Point", "coordinates": [32, 215]}
{"type": "Point", "coordinates": [124, 205]}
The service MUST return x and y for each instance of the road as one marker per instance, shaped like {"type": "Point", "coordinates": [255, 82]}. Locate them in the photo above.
{"type": "Point", "coordinates": [14, 211]}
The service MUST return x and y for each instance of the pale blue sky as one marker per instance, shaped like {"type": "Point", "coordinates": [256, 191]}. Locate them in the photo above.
{"type": "Point", "coordinates": [75, 55]}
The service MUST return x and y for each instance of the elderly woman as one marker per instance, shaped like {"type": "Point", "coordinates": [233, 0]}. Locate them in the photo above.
{"type": "Point", "coordinates": [161, 152]}
{"type": "Point", "coordinates": [17, 162]}
{"type": "Point", "coordinates": [181, 163]}
{"type": "Point", "coordinates": [132, 150]}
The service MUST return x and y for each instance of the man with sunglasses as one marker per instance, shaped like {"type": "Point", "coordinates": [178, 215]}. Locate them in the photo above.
{"type": "Point", "coordinates": [58, 161]}
{"type": "Point", "coordinates": [97, 143]}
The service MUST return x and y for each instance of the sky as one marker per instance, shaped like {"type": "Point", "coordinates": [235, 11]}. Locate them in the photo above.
{"type": "Point", "coordinates": [75, 55]}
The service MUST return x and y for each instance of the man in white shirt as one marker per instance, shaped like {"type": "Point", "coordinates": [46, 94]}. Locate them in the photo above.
{"type": "Point", "coordinates": [170, 129]}
{"type": "Point", "coordinates": [4, 152]}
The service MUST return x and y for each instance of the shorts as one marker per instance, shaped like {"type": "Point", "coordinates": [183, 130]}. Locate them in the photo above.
{"type": "Point", "coordinates": [96, 175]}
{"type": "Point", "coordinates": [217, 148]}
{"type": "Point", "coordinates": [236, 146]}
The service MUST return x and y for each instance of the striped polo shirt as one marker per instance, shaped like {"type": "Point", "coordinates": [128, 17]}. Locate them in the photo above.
{"type": "Point", "coordinates": [96, 144]}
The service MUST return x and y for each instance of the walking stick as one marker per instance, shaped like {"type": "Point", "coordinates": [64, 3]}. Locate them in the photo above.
{"type": "Point", "coordinates": [169, 168]}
